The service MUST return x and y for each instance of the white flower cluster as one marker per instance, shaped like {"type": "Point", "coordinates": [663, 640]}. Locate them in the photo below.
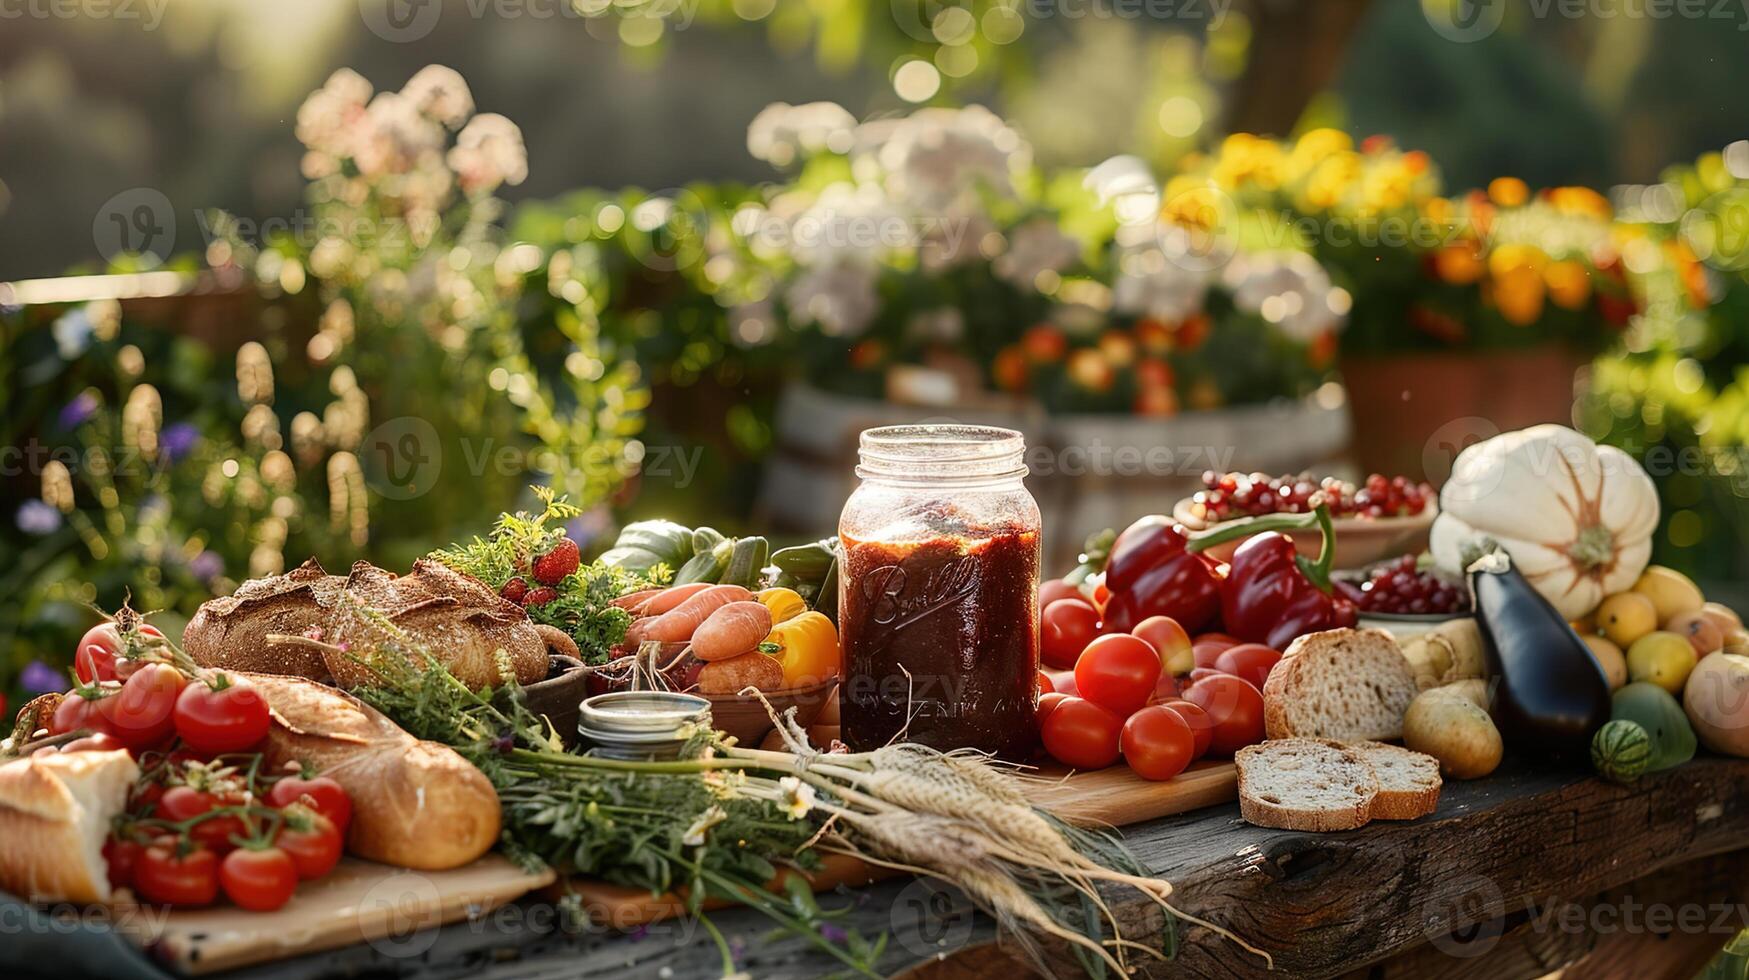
{"type": "Point", "coordinates": [1290, 290]}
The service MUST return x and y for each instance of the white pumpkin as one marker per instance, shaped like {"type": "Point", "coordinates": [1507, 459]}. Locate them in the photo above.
{"type": "Point", "coordinates": [1577, 518]}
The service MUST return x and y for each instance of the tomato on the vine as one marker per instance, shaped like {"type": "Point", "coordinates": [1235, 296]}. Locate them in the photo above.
{"type": "Point", "coordinates": [1157, 743]}
{"type": "Point", "coordinates": [1252, 661]}
{"type": "Point", "coordinates": [1169, 639]}
{"type": "Point", "coordinates": [1082, 734]}
{"type": "Point", "coordinates": [183, 803]}
{"type": "Point", "coordinates": [221, 713]}
{"type": "Point", "coordinates": [1235, 708]}
{"type": "Point", "coordinates": [164, 877]}
{"type": "Point", "coordinates": [120, 857]}
{"type": "Point", "coordinates": [1118, 671]}
{"type": "Point", "coordinates": [94, 659]}
{"type": "Point", "coordinates": [1068, 626]}
{"type": "Point", "coordinates": [95, 742]}
{"type": "Point", "coordinates": [311, 840]}
{"type": "Point", "coordinates": [319, 793]}
{"type": "Point", "coordinates": [259, 879]}
{"type": "Point", "coordinates": [1201, 725]}
{"type": "Point", "coordinates": [76, 712]}
{"type": "Point", "coordinates": [140, 714]}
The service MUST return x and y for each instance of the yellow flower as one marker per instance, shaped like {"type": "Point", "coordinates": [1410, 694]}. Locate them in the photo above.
{"type": "Point", "coordinates": [1245, 158]}
{"type": "Point", "coordinates": [695, 834]}
{"type": "Point", "coordinates": [1581, 201]}
{"type": "Point", "coordinates": [1518, 293]}
{"type": "Point", "coordinates": [1459, 263]}
{"type": "Point", "coordinates": [1517, 256]}
{"type": "Point", "coordinates": [1569, 283]}
{"type": "Point", "coordinates": [1315, 145]}
{"type": "Point", "coordinates": [1508, 192]}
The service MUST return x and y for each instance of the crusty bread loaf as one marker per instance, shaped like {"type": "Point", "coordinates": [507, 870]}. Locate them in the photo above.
{"type": "Point", "coordinates": [1347, 684]}
{"type": "Point", "coordinates": [1305, 784]}
{"type": "Point", "coordinates": [415, 804]}
{"type": "Point", "coordinates": [55, 809]}
{"type": "Point", "coordinates": [1408, 781]}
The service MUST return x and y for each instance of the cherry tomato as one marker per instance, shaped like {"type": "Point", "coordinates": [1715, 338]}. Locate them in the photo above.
{"type": "Point", "coordinates": [1157, 743]}
{"type": "Point", "coordinates": [1202, 674]}
{"type": "Point", "coordinates": [1082, 734]}
{"type": "Point", "coordinates": [1069, 625]}
{"type": "Point", "coordinates": [146, 794]}
{"type": "Point", "coordinates": [1234, 706]}
{"type": "Point", "coordinates": [95, 657]}
{"type": "Point", "coordinates": [1165, 689]}
{"type": "Point", "coordinates": [76, 712]}
{"type": "Point", "coordinates": [1252, 661]}
{"type": "Point", "coordinates": [96, 742]}
{"type": "Point", "coordinates": [221, 714]}
{"type": "Point", "coordinates": [1050, 590]}
{"type": "Point", "coordinates": [1118, 671]}
{"type": "Point", "coordinates": [1206, 649]}
{"type": "Point", "coordinates": [141, 714]}
{"type": "Point", "coordinates": [181, 803]}
{"type": "Point", "coordinates": [1201, 725]}
{"type": "Point", "coordinates": [1165, 635]}
{"type": "Point", "coordinates": [319, 793]}
{"type": "Point", "coordinates": [162, 877]}
{"type": "Point", "coordinates": [121, 857]}
{"type": "Point", "coordinates": [1063, 682]}
{"type": "Point", "coordinates": [1044, 683]}
{"type": "Point", "coordinates": [311, 841]}
{"type": "Point", "coordinates": [259, 879]}
{"type": "Point", "coordinates": [1047, 703]}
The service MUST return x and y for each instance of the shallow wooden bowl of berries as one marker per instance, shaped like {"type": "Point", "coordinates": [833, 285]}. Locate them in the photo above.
{"type": "Point", "coordinates": [1379, 519]}
{"type": "Point", "coordinates": [1403, 597]}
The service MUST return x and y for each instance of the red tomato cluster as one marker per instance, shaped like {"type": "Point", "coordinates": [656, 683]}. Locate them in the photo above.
{"type": "Point", "coordinates": [1118, 694]}
{"type": "Point", "coordinates": [204, 818]}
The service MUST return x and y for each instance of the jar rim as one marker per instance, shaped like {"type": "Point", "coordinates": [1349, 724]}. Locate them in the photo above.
{"type": "Point", "coordinates": [942, 452]}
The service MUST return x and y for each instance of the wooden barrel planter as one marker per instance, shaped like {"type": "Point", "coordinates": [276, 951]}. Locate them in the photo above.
{"type": "Point", "coordinates": [1089, 472]}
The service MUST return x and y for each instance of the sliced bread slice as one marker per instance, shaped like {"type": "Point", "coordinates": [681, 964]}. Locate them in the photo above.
{"type": "Point", "coordinates": [1347, 684]}
{"type": "Point", "coordinates": [1305, 784]}
{"type": "Point", "coordinates": [1408, 781]}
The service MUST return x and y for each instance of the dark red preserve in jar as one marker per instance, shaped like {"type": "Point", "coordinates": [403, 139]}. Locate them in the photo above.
{"type": "Point", "coordinates": [938, 593]}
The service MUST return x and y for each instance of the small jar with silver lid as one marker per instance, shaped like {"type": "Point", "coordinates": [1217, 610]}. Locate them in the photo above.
{"type": "Point", "coordinates": [640, 726]}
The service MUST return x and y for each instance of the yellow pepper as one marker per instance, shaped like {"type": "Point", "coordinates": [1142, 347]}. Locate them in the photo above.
{"type": "Point", "coordinates": [807, 646]}
{"type": "Point", "coordinates": [785, 604]}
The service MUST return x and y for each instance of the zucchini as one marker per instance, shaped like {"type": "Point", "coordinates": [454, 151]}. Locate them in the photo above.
{"type": "Point", "coordinates": [706, 538]}
{"type": "Point", "coordinates": [1621, 751]}
{"type": "Point", "coordinates": [746, 562]}
{"type": "Point", "coordinates": [705, 566]}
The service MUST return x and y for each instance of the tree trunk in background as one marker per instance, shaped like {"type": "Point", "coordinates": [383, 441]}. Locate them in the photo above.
{"type": "Point", "coordinates": [1297, 47]}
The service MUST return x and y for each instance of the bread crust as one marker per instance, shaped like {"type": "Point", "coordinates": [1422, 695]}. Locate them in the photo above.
{"type": "Point", "coordinates": [416, 804]}
{"type": "Point", "coordinates": [1282, 816]}
{"type": "Point", "coordinates": [51, 836]}
{"type": "Point", "coordinates": [1401, 802]}
{"type": "Point", "coordinates": [1285, 691]}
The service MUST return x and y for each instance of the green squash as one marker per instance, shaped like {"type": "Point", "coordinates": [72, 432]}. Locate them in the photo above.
{"type": "Point", "coordinates": [1621, 750]}
{"type": "Point", "coordinates": [1652, 708]}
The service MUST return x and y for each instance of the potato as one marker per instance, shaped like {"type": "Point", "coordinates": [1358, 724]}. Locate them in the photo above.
{"type": "Point", "coordinates": [1447, 725]}
{"type": "Point", "coordinates": [731, 676]}
{"type": "Point", "coordinates": [1671, 592]}
{"type": "Point", "coordinates": [1716, 700]}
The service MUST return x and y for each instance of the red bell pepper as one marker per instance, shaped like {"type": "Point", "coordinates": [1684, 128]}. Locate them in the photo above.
{"type": "Point", "coordinates": [1150, 573]}
{"type": "Point", "coordinates": [1272, 593]}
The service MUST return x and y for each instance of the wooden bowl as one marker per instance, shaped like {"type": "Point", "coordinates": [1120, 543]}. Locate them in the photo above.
{"type": "Point", "coordinates": [559, 695]}
{"type": "Point", "coordinates": [746, 717]}
{"type": "Point", "coordinates": [1359, 540]}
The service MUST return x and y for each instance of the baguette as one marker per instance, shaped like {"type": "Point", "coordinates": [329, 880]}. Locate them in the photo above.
{"type": "Point", "coordinates": [416, 804]}
{"type": "Point", "coordinates": [1305, 784]}
{"type": "Point", "coordinates": [1347, 684]}
{"type": "Point", "coordinates": [1408, 781]}
{"type": "Point", "coordinates": [55, 809]}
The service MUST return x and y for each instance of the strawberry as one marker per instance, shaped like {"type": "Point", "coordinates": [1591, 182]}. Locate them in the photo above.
{"type": "Point", "coordinates": [557, 562]}
{"type": "Point", "coordinates": [540, 596]}
{"type": "Point", "coordinates": [514, 590]}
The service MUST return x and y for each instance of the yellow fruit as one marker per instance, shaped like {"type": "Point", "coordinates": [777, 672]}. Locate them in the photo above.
{"type": "Point", "coordinates": [1723, 616]}
{"type": "Point", "coordinates": [1609, 657]}
{"type": "Point", "coordinates": [1627, 616]}
{"type": "Point", "coordinates": [1671, 591]}
{"type": "Point", "coordinates": [1663, 658]}
{"type": "Point", "coordinates": [1737, 642]}
{"type": "Point", "coordinates": [1703, 634]}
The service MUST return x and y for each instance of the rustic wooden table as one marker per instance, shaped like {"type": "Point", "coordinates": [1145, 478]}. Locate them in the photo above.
{"type": "Point", "coordinates": [1517, 875]}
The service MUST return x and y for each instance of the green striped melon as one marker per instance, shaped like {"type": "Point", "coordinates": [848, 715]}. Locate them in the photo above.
{"type": "Point", "coordinates": [1621, 750]}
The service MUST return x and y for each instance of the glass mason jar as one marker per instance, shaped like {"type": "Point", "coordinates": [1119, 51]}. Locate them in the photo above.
{"type": "Point", "coordinates": [938, 592]}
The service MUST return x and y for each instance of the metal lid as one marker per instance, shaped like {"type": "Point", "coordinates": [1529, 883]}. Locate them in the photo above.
{"type": "Point", "coordinates": [635, 713]}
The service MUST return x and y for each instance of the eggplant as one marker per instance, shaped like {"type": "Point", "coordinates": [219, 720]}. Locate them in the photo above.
{"type": "Point", "coordinates": [1551, 693]}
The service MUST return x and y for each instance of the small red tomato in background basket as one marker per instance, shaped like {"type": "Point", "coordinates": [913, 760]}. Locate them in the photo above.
{"type": "Point", "coordinates": [1118, 671]}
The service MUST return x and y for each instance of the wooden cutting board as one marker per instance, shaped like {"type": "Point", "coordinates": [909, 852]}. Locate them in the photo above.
{"type": "Point", "coordinates": [359, 901]}
{"type": "Point", "coordinates": [1113, 797]}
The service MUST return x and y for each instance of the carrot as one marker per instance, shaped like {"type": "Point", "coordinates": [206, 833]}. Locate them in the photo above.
{"type": "Point", "coordinates": [678, 623]}
{"type": "Point", "coordinates": [670, 597]}
{"type": "Point", "coordinates": [732, 630]}
{"type": "Point", "coordinates": [730, 676]}
{"type": "Point", "coordinates": [632, 600]}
